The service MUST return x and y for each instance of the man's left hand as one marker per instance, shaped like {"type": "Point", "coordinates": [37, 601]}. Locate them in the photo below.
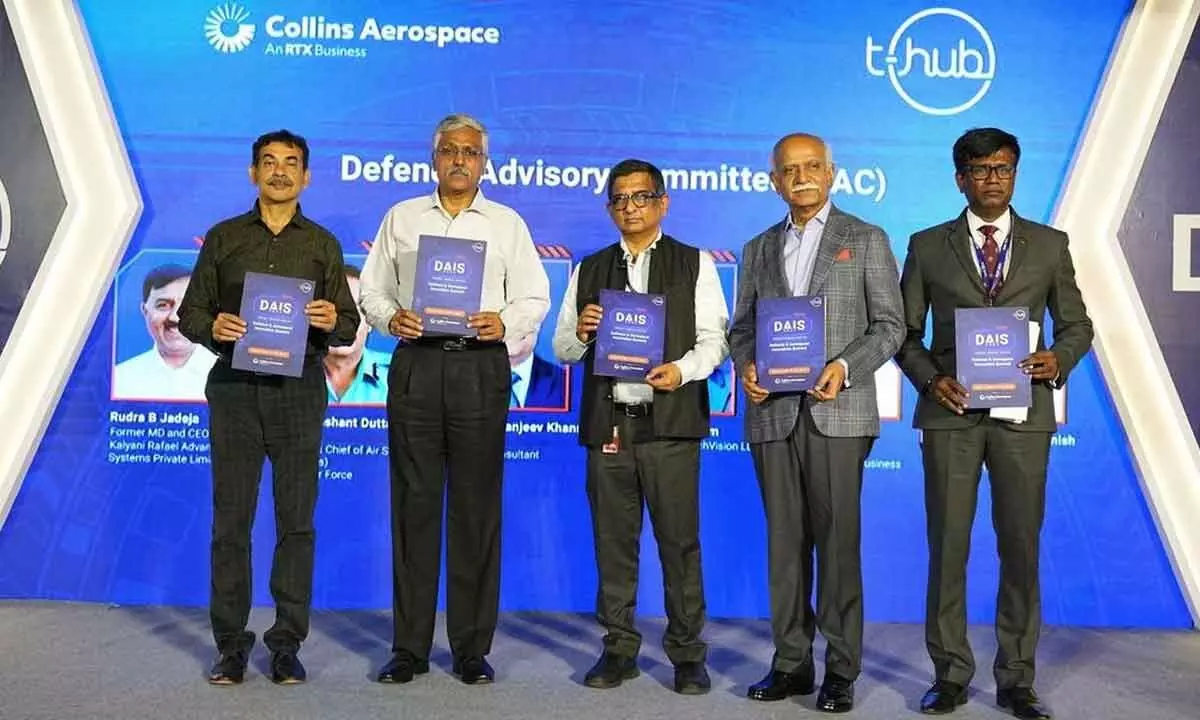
{"type": "Point", "coordinates": [665, 377]}
{"type": "Point", "coordinates": [1042, 365]}
{"type": "Point", "coordinates": [489, 325]}
{"type": "Point", "coordinates": [829, 382]}
{"type": "Point", "coordinates": [322, 314]}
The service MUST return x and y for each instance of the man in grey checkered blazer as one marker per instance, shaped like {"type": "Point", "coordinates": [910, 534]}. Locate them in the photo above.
{"type": "Point", "coordinates": [809, 448]}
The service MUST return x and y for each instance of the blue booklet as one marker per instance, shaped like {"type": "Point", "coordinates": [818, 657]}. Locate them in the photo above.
{"type": "Point", "coordinates": [629, 341]}
{"type": "Point", "coordinates": [988, 343]}
{"type": "Point", "coordinates": [789, 342]}
{"type": "Point", "coordinates": [448, 283]}
{"type": "Point", "coordinates": [276, 326]}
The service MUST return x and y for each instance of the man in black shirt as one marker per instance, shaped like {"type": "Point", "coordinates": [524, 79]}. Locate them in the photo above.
{"type": "Point", "coordinates": [255, 416]}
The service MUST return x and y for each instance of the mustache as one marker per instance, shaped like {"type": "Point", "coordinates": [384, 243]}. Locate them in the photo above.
{"type": "Point", "coordinates": [279, 181]}
{"type": "Point", "coordinates": [460, 171]}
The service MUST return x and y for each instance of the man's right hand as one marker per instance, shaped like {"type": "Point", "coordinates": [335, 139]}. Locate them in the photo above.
{"type": "Point", "coordinates": [750, 385]}
{"type": "Point", "coordinates": [406, 324]}
{"type": "Point", "coordinates": [948, 393]}
{"type": "Point", "coordinates": [588, 323]}
{"type": "Point", "coordinates": [228, 328]}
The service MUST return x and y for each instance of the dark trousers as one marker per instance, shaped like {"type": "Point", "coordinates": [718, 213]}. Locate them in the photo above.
{"type": "Point", "coordinates": [1016, 462]}
{"type": "Point", "coordinates": [250, 418]}
{"type": "Point", "coordinates": [664, 475]}
{"type": "Point", "coordinates": [811, 488]}
{"type": "Point", "coordinates": [446, 413]}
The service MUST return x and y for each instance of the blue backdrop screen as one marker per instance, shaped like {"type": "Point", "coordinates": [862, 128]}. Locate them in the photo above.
{"type": "Point", "coordinates": [117, 505]}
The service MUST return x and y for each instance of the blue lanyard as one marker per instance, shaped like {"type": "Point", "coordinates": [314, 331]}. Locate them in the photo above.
{"type": "Point", "coordinates": [991, 281]}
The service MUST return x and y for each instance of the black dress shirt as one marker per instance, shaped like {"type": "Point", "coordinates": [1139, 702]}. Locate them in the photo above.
{"type": "Point", "coordinates": [233, 247]}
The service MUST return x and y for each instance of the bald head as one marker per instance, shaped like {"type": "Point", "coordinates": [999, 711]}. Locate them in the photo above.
{"type": "Point", "coordinates": [806, 140]}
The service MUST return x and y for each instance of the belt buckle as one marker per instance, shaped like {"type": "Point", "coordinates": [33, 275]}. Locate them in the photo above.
{"type": "Point", "coordinates": [454, 344]}
{"type": "Point", "coordinates": [635, 410]}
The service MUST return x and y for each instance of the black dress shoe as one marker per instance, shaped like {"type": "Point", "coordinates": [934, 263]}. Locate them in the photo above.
{"type": "Point", "coordinates": [229, 669]}
{"type": "Point", "coordinates": [836, 696]}
{"type": "Point", "coordinates": [1023, 703]}
{"type": "Point", "coordinates": [944, 697]}
{"type": "Point", "coordinates": [610, 671]}
{"type": "Point", "coordinates": [474, 670]}
{"type": "Point", "coordinates": [691, 678]}
{"type": "Point", "coordinates": [286, 668]}
{"type": "Point", "coordinates": [401, 668]}
{"type": "Point", "coordinates": [779, 685]}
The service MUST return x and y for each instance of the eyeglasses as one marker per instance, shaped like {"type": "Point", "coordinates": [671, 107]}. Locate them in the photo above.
{"type": "Point", "coordinates": [449, 152]}
{"type": "Point", "coordinates": [983, 172]}
{"type": "Point", "coordinates": [620, 202]}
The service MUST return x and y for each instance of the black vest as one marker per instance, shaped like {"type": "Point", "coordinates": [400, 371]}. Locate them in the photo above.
{"type": "Point", "coordinates": [674, 268]}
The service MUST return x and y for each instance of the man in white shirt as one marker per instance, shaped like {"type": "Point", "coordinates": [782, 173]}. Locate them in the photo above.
{"type": "Point", "coordinates": [175, 368]}
{"type": "Point", "coordinates": [643, 436]}
{"type": "Point", "coordinates": [447, 406]}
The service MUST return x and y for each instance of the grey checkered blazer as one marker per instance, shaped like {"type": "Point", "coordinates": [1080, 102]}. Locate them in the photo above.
{"type": "Point", "coordinates": [857, 274]}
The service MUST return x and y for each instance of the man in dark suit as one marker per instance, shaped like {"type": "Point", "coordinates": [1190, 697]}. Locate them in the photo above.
{"type": "Point", "coordinates": [987, 256]}
{"type": "Point", "coordinates": [809, 448]}
{"type": "Point", "coordinates": [537, 383]}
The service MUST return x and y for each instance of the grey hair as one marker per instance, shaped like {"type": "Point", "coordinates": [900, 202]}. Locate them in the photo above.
{"type": "Point", "coordinates": [785, 138]}
{"type": "Point", "coordinates": [458, 121]}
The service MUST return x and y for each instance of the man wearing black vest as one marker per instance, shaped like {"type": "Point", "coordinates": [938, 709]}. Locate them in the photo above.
{"type": "Point", "coordinates": [643, 438]}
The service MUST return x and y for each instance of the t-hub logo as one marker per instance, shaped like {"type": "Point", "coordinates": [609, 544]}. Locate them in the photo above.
{"type": "Point", "coordinates": [226, 28]}
{"type": "Point", "coordinates": [941, 61]}
{"type": "Point", "coordinates": [5, 221]}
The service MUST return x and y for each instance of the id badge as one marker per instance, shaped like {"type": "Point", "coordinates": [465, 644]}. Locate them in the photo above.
{"type": "Point", "coordinates": [614, 446]}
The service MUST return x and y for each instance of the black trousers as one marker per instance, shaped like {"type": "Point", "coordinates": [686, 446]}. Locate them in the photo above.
{"type": "Point", "coordinates": [1016, 462]}
{"type": "Point", "coordinates": [446, 413]}
{"type": "Point", "coordinates": [812, 489]}
{"type": "Point", "coordinates": [664, 475]}
{"type": "Point", "coordinates": [250, 418]}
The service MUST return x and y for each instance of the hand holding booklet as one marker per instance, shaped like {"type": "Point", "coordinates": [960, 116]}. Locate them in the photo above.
{"type": "Point", "coordinates": [789, 342]}
{"type": "Point", "coordinates": [448, 283]}
{"type": "Point", "coordinates": [629, 341]}
{"type": "Point", "coordinates": [989, 342]}
{"type": "Point", "coordinates": [276, 326]}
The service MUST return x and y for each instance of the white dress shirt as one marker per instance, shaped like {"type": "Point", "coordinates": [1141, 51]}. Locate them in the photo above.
{"type": "Point", "coordinates": [149, 377]}
{"type": "Point", "coordinates": [1003, 225]}
{"type": "Point", "coordinates": [712, 317]}
{"type": "Point", "coordinates": [514, 281]}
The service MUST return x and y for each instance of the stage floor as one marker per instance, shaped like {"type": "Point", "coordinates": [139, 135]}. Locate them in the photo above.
{"type": "Point", "coordinates": [93, 662]}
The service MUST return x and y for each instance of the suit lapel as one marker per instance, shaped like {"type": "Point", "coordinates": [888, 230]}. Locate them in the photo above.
{"type": "Point", "coordinates": [1019, 248]}
{"type": "Point", "coordinates": [774, 261]}
{"type": "Point", "coordinates": [960, 242]}
{"type": "Point", "coordinates": [833, 238]}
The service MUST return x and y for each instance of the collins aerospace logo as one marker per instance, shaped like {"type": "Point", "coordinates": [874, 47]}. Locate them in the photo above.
{"type": "Point", "coordinates": [940, 61]}
{"type": "Point", "coordinates": [227, 30]}
{"type": "Point", "coordinates": [5, 221]}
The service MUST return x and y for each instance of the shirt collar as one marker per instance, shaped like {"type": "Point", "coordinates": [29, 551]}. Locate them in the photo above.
{"type": "Point", "coordinates": [821, 217]}
{"type": "Point", "coordinates": [255, 216]}
{"type": "Point", "coordinates": [524, 369]}
{"type": "Point", "coordinates": [479, 203]}
{"type": "Point", "coordinates": [629, 255]}
{"type": "Point", "coordinates": [1002, 223]}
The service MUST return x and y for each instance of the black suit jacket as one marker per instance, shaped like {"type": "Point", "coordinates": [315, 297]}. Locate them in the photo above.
{"type": "Point", "coordinates": [941, 274]}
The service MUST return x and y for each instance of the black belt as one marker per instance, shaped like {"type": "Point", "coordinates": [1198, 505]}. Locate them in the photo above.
{"type": "Point", "coordinates": [634, 410]}
{"type": "Point", "coordinates": [451, 344]}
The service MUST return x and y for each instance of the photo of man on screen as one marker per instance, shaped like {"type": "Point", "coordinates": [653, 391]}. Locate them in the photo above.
{"type": "Point", "coordinates": [537, 383]}
{"type": "Point", "coordinates": [356, 374]}
{"type": "Point", "coordinates": [175, 368]}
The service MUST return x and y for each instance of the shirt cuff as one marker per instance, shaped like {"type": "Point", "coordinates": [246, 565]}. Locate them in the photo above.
{"type": "Point", "coordinates": [845, 367]}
